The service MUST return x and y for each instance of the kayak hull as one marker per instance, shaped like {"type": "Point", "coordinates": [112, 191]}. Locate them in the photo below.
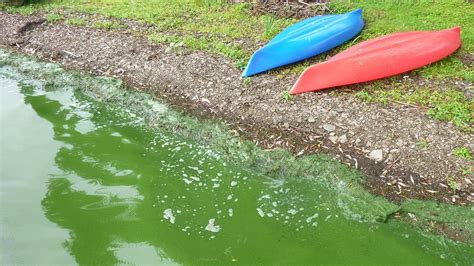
{"type": "Point", "coordinates": [379, 58]}
{"type": "Point", "coordinates": [305, 39]}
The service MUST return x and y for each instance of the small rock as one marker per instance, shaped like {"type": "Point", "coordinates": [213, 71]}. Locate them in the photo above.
{"type": "Point", "coordinates": [400, 143]}
{"type": "Point", "coordinates": [333, 139]}
{"type": "Point", "coordinates": [329, 127]}
{"type": "Point", "coordinates": [343, 139]}
{"type": "Point", "coordinates": [376, 155]}
{"type": "Point", "coordinates": [311, 120]}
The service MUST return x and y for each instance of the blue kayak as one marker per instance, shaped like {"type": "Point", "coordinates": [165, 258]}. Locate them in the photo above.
{"type": "Point", "coordinates": [305, 39]}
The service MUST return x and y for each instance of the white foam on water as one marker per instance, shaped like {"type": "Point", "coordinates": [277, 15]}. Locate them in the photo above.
{"type": "Point", "coordinates": [314, 216]}
{"type": "Point", "coordinates": [168, 215]}
{"type": "Point", "coordinates": [260, 212]}
{"type": "Point", "coordinates": [292, 211]}
{"type": "Point", "coordinates": [264, 197]}
{"type": "Point", "coordinates": [231, 212]}
{"type": "Point", "coordinates": [195, 178]}
{"type": "Point", "coordinates": [233, 183]}
{"type": "Point", "coordinates": [212, 227]}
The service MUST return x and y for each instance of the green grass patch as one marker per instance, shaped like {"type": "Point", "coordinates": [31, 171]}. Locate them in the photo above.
{"type": "Point", "coordinates": [204, 44]}
{"type": "Point", "coordinates": [51, 18]}
{"type": "Point", "coordinates": [422, 144]}
{"type": "Point", "coordinates": [449, 105]}
{"type": "Point", "coordinates": [463, 152]}
{"type": "Point", "coordinates": [286, 96]}
{"type": "Point", "coordinates": [107, 25]}
{"type": "Point", "coordinates": [76, 22]}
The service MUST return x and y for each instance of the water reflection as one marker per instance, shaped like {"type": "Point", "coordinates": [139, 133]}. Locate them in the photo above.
{"type": "Point", "coordinates": [95, 198]}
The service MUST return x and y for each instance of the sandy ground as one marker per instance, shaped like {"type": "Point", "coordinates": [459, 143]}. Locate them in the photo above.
{"type": "Point", "coordinates": [379, 140]}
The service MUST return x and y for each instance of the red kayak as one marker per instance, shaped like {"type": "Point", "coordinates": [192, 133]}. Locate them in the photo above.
{"type": "Point", "coordinates": [379, 58]}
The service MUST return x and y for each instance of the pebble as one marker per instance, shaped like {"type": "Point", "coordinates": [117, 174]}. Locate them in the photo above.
{"type": "Point", "coordinates": [342, 139]}
{"type": "Point", "coordinates": [329, 127]}
{"type": "Point", "coordinates": [376, 155]}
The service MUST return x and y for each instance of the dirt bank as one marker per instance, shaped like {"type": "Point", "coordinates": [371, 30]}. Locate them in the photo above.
{"type": "Point", "coordinates": [381, 141]}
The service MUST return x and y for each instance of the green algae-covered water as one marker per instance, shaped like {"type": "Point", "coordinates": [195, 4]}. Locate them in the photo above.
{"type": "Point", "coordinates": [85, 182]}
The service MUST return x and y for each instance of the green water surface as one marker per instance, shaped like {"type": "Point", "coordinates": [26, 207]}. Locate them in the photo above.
{"type": "Point", "coordinates": [83, 182]}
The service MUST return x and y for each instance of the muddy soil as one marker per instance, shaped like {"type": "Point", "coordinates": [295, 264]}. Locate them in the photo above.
{"type": "Point", "coordinates": [381, 141]}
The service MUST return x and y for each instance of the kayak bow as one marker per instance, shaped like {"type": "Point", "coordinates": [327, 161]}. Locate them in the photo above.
{"type": "Point", "coordinates": [379, 58]}
{"type": "Point", "coordinates": [305, 39]}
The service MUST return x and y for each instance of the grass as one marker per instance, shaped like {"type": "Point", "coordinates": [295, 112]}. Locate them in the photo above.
{"type": "Point", "coordinates": [463, 152]}
{"type": "Point", "coordinates": [52, 17]}
{"type": "Point", "coordinates": [286, 96]}
{"type": "Point", "coordinates": [453, 185]}
{"type": "Point", "coordinates": [450, 105]}
{"type": "Point", "coordinates": [203, 44]}
{"type": "Point", "coordinates": [75, 22]}
{"type": "Point", "coordinates": [269, 28]}
{"type": "Point", "coordinates": [247, 82]}
{"type": "Point", "coordinates": [107, 25]}
{"type": "Point", "coordinates": [422, 144]}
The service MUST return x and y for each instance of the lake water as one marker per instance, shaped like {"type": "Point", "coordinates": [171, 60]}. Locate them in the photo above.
{"type": "Point", "coordinates": [85, 182]}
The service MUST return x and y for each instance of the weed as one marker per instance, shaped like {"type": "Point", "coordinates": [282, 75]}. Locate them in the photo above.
{"type": "Point", "coordinates": [209, 3]}
{"type": "Point", "coordinates": [268, 27]}
{"type": "Point", "coordinates": [247, 82]}
{"type": "Point", "coordinates": [467, 171]}
{"type": "Point", "coordinates": [422, 144]}
{"type": "Point", "coordinates": [23, 10]}
{"type": "Point", "coordinates": [107, 25]}
{"type": "Point", "coordinates": [286, 96]}
{"type": "Point", "coordinates": [463, 152]}
{"type": "Point", "coordinates": [51, 18]}
{"type": "Point", "coordinates": [241, 63]}
{"type": "Point", "coordinates": [457, 112]}
{"type": "Point", "coordinates": [364, 96]}
{"type": "Point", "coordinates": [452, 183]}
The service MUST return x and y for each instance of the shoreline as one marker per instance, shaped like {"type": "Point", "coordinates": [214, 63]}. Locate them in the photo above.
{"type": "Point", "coordinates": [369, 137]}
